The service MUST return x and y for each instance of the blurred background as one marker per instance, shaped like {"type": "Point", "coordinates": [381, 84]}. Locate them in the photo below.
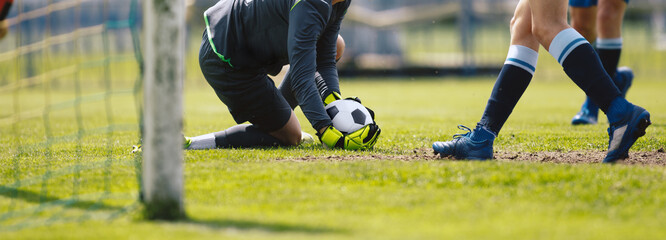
{"type": "Point", "coordinates": [384, 37]}
{"type": "Point", "coordinates": [71, 92]}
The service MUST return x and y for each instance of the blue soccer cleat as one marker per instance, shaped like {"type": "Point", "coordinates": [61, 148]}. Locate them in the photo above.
{"type": "Point", "coordinates": [623, 79]}
{"type": "Point", "coordinates": [625, 133]}
{"type": "Point", "coordinates": [464, 147]}
{"type": "Point", "coordinates": [584, 117]}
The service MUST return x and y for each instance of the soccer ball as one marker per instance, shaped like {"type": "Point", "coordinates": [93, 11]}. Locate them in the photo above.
{"type": "Point", "coordinates": [348, 115]}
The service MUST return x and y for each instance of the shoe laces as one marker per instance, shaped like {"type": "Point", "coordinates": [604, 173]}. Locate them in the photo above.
{"type": "Point", "coordinates": [461, 135]}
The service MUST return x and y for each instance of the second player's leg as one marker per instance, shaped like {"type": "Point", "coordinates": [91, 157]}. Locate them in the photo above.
{"type": "Point", "coordinates": [584, 20]}
{"type": "Point", "coordinates": [572, 51]}
{"type": "Point", "coordinates": [602, 24]}
{"type": "Point", "coordinates": [609, 43]}
{"type": "Point", "coordinates": [581, 63]}
{"type": "Point", "coordinates": [609, 17]}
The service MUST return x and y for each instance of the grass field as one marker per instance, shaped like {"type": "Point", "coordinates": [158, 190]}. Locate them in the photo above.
{"type": "Point", "coordinates": [87, 183]}
{"type": "Point", "coordinates": [66, 171]}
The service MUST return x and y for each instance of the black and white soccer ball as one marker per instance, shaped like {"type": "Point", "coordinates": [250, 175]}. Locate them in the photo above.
{"type": "Point", "coordinates": [348, 115]}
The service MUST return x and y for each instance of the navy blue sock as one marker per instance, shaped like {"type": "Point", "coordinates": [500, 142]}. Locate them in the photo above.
{"type": "Point", "coordinates": [245, 136]}
{"type": "Point", "coordinates": [511, 83]}
{"type": "Point", "coordinates": [584, 68]}
{"type": "Point", "coordinates": [482, 133]}
{"type": "Point", "coordinates": [609, 51]}
{"type": "Point", "coordinates": [581, 63]}
{"type": "Point", "coordinates": [609, 59]}
{"type": "Point", "coordinates": [509, 87]}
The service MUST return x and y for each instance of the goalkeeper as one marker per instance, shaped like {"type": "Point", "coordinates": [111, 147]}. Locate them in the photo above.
{"type": "Point", "coordinates": [4, 10]}
{"type": "Point", "coordinates": [245, 41]}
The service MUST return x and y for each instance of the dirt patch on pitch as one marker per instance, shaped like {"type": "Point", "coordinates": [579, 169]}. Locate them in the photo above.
{"type": "Point", "coordinates": [416, 155]}
{"type": "Point", "coordinates": [583, 157]}
{"type": "Point", "coordinates": [574, 157]}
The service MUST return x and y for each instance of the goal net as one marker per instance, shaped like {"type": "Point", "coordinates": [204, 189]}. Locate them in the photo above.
{"type": "Point", "coordinates": [70, 101]}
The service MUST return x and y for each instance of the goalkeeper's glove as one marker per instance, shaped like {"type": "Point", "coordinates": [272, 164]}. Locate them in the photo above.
{"type": "Point", "coordinates": [362, 139]}
{"type": "Point", "coordinates": [331, 98]}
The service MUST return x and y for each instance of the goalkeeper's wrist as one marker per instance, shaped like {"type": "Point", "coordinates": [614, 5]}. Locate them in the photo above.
{"type": "Point", "coordinates": [332, 97]}
{"type": "Point", "coordinates": [331, 137]}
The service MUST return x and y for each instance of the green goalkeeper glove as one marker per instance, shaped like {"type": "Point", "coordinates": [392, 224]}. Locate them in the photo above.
{"type": "Point", "coordinates": [332, 97]}
{"type": "Point", "coordinates": [362, 139]}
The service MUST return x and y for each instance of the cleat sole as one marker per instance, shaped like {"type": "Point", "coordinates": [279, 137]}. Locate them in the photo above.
{"type": "Point", "coordinates": [642, 126]}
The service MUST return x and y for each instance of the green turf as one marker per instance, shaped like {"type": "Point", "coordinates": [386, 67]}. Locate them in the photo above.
{"type": "Point", "coordinates": [71, 177]}
{"type": "Point", "coordinates": [301, 193]}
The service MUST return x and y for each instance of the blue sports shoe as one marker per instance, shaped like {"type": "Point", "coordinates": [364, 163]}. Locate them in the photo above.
{"type": "Point", "coordinates": [585, 117]}
{"type": "Point", "coordinates": [625, 133]}
{"type": "Point", "coordinates": [464, 147]}
{"type": "Point", "coordinates": [623, 79]}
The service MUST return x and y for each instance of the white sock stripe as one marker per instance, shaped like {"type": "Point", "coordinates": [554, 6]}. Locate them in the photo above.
{"type": "Point", "coordinates": [203, 142]}
{"type": "Point", "coordinates": [609, 43]}
{"type": "Point", "coordinates": [522, 57]}
{"type": "Point", "coordinates": [565, 42]}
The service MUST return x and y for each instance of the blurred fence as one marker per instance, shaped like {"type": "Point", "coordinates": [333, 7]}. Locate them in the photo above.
{"type": "Point", "coordinates": [397, 37]}
{"type": "Point", "coordinates": [436, 37]}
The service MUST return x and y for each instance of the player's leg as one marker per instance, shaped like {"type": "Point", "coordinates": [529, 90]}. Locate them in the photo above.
{"type": "Point", "coordinates": [609, 43]}
{"type": "Point", "coordinates": [584, 20]}
{"type": "Point", "coordinates": [249, 96]}
{"type": "Point", "coordinates": [273, 122]}
{"type": "Point", "coordinates": [511, 83]}
{"type": "Point", "coordinates": [290, 133]}
{"type": "Point", "coordinates": [582, 65]}
{"type": "Point", "coordinates": [516, 72]}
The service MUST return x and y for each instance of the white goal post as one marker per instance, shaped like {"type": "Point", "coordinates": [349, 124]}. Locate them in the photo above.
{"type": "Point", "coordinates": [164, 53]}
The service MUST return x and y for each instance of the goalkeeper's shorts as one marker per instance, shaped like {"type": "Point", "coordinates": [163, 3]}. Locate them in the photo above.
{"type": "Point", "coordinates": [585, 3]}
{"type": "Point", "coordinates": [250, 95]}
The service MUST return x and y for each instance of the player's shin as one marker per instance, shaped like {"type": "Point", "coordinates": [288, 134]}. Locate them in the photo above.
{"type": "Point", "coordinates": [511, 83]}
{"type": "Point", "coordinates": [582, 65]}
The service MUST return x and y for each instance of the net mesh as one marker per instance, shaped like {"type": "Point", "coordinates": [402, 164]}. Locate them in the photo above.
{"type": "Point", "coordinates": [70, 83]}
